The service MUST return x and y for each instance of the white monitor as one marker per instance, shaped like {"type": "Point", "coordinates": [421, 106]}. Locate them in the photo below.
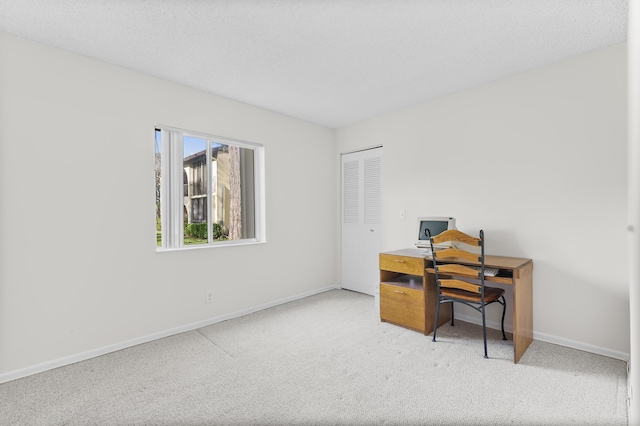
{"type": "Point", "coordinates": [436, 225]}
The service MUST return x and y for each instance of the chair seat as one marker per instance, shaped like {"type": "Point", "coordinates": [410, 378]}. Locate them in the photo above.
{"type": "Point", "coordinates": [454, 290]}
{"type": "Point", "coordinates": [491, 294]}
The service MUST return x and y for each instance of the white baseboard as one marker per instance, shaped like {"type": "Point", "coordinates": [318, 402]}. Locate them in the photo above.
{"type": "Point", "coordinates": [630, 398]}
{"type": "Point", "coordinates": [623, 356]}
{"type": "Point", "coordinates": [549, 338]}
{"type": "Point", "coordinates": [361, 288]}
{"type": "Point", "coordinates": [60, 362]}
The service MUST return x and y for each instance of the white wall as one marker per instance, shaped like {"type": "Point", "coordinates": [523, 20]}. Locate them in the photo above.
{"type": "Point", "coordinates": [633, 54]}
{"type": "Point", "coordinates": [78, 264]}
{"type": "Point", "coordinates": [538, 161]}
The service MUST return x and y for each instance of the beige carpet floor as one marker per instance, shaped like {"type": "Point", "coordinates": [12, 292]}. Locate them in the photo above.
{"type": "Point", "coordinates": [324, 360]}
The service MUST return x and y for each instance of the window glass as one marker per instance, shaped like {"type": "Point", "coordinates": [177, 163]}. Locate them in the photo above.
{"type": "Point", "coordinates": [233, 204]}
{"type": "Point", "coordinates": [195, 202]}
{"type": "Point", "coordinates": [158, 169]}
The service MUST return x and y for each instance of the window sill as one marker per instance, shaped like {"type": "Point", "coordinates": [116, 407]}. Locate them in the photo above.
{"type": "Point", "coordinates": [207, 246]}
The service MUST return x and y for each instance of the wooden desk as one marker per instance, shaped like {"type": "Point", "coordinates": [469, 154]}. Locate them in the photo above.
{"type": "Point", "coordinates": [408, 293]}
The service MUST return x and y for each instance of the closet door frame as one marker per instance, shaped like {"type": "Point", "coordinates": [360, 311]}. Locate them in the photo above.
{"type": "Point", "coordinates": [361, 219]}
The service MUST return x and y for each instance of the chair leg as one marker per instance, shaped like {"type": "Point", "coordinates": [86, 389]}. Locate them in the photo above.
{"type": "Point", "coordinates": [435, 324]}
{"type": "Point", "coordinates": [504, 310]}
{"type": "Point", "coordinates": [452, 313]}
{"type": "Point", "coordinates": [484, 333]}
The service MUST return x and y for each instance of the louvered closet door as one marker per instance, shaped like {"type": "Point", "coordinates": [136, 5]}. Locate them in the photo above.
{"type": "Point", "coordinates": [361, 219]}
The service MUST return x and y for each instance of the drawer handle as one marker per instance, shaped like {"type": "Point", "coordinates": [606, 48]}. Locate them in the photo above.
{"type": "Point", "coordinates": [398, 260]}
{"type": "Point", "coordinates": [398, 291]}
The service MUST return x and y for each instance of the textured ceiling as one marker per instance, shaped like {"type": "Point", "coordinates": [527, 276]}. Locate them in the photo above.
{"type": "Point", "coordinates": [331, 62]}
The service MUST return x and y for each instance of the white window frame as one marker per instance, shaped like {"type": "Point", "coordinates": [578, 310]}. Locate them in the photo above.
{"type": "Point", "coordinates": [172, 189]}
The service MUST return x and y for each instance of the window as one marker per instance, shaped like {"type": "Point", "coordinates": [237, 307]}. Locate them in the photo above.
{"type": "Point", "coordinates": [209, 190]}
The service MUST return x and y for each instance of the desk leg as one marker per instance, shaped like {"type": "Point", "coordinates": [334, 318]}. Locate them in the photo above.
{"type": "Point", "coordinates": [430, 302]}
{"type": "Point", "coordinates": [522, 310]}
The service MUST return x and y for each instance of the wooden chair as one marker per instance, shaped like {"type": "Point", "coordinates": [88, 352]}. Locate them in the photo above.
{"type": "Point", "coordinates": [458, 281]}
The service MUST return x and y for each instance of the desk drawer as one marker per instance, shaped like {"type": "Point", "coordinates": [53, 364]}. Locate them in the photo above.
{"type": "Point", "coordinates": [402, 264]}
{"type": "Point", "coordinates": [402, 306]}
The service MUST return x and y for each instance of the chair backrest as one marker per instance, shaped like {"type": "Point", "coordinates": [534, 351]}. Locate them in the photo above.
{"type": "Point", "coordinates": [452, 262]}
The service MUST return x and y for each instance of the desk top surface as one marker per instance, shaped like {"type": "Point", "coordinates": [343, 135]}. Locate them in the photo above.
{"type": "Point", "coordinates": [501, 262]}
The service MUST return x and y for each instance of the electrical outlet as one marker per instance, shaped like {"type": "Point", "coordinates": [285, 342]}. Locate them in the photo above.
{"type": "Point", "coordinates": [208, 297]}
